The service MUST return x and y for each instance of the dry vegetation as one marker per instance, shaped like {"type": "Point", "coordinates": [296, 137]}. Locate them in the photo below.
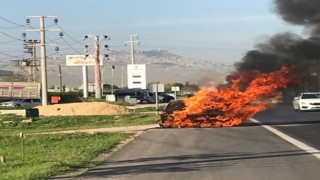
{"type": "Point", "coordinates": [83, 108]}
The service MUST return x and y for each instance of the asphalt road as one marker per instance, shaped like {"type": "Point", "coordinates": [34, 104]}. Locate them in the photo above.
{"type": "Point", "coordinates": [247, 152]}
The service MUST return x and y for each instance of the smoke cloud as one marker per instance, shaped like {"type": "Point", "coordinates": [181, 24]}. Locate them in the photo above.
{"type": "Point", "coordinates": [300, 12]}
{"type": "Point", "coordinates": [302, 54]}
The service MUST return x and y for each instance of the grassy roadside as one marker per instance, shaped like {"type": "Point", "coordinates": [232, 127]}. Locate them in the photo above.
{"type": "Point", "coordinates": [40, 156]}
{"type": "Point", "coordinates": [11, 124]}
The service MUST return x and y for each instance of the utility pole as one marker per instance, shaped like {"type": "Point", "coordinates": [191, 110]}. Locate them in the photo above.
{"type": "Point", "coordinates": [43, 56]}
{"type": "Point", "coordinates": [34, 65]}
{"type": "Point", "coordinates": [29, 66]}
{"type": "Point", "coordinates": [30, 47]}
{"type": "Point", "coordinates": [133, 40]}
{"type": "Point", "coordinates": [85, 81]}
{"type": "Point", "coordinates": [96, 38]}
{"type": "Point", "coordinates": [60, 79]}
{"type": "Point", "coordinates": [97, 68]}
{"type": "Point", "coordinates": [102, 79]}
{"type": "Point", "coordinates": [121, 77]}
{"type": "Point", "coordinates": [112, 82]}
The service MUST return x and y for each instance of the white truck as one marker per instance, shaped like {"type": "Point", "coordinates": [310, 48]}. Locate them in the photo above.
{"type": "Point", "coordinates": [18, 90]}
{"type": "Point", "coordinates": [307, 101]}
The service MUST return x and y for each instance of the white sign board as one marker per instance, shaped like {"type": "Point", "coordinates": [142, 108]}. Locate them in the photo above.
{"type": "Point", "coordinates": [175, 88]}
{"type": "Point", "coordinates": [110, 97]}
{"type": "Point", "coordinates": [154, 88]}
{"type": "Point", "coordinates": [137, 77]}
{"type": "Point", "coordinates": [82, 60]}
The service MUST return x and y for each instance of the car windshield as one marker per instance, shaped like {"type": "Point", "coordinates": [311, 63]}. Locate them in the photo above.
{"type": "Point", "coordinates": [174, 106]}
{"type": "Point", "coordinates": [310, 96]}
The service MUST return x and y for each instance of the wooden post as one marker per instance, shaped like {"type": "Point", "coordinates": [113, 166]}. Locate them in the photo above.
{"type": "Point", "coordinates": [22, 144]}
{"type": "Point", "coordinates": [2, 159]}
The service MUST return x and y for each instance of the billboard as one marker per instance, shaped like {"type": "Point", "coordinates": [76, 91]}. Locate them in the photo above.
{"type": "Point", "coordinates": [82, 60]}
{"type": "Point", "coordinates": [137, 77]}
{"type": "Point", "coordinates": [175, 88]}
{"type": "Point", "coordinates": [156, 87]}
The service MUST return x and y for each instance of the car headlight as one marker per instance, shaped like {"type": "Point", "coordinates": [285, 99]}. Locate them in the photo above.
{"type": "Point", "coordinates": [303, 103]}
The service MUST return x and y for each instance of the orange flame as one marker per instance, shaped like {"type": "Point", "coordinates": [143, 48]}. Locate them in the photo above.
{"type": "Point", "coordinates": [232, 105]}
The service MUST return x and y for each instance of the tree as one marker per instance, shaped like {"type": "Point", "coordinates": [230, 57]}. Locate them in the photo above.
{"type": "Point", "coordinates": [178, 84]}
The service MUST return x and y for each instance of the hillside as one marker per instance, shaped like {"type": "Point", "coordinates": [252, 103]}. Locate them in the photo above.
{"type": "Point", "coordinates": [162, 66]}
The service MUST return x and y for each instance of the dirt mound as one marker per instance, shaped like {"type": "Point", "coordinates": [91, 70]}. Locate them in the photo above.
{"type": "Point", "coordinates": [83, 108]}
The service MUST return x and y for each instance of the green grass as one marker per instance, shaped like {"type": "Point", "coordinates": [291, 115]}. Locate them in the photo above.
{"type": "Point", "coordinates": [47, 155]}
{"type": "Point", "coordinates": [13, 123]}
{"type": "Point", "coordinates": [149, 109]}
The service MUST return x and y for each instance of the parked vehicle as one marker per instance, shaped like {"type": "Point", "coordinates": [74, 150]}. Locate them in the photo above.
{"type": "Point", "coordinates": [307, 101]}
{"type": "Point", "coordinates": [165, 98]}
{"type": "Point", "coordinates": [27, 102]}
{"type": "Point", "coordinates": [162, 97]}
{"type": "Point", "coordinates": [141, 95]}
{"type": "Point", "coordinates": [15, 90]}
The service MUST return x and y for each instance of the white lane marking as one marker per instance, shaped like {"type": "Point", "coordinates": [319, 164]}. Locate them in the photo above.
{"type": "Point", "coordinates": [313, 151]}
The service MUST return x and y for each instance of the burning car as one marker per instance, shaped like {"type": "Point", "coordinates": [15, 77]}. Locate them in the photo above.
{"type": "Point", "coordinates": [27, 102]}
{"type": "Point", "coordinates": [168, 111]}
{"type": "Point", "coordinates": [167, 117]}
{"type": "Point", "coordinates": [230, 105]}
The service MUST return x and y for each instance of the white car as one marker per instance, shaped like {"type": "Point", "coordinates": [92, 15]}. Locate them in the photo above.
{"type": "Point", "coordinates": [22, 102]}
{"type": "Point", "coordinates": [307, 101]}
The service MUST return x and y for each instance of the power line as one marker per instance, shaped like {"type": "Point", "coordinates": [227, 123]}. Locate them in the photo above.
{"type": "Point", "coordinates": [77, 41]}
{"type": "Point", "coordinates": [11, 36]}
{"type": "Point", "coordinates": [66, 42]}
{"type": "Point", "coordinates": [18, 25]}
{"type": "Point", "coordinates": [54, 40]}
{"type": "Point", "coordinates": [71, 46]}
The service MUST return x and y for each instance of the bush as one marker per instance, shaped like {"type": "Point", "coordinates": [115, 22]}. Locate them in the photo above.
{"type": "Point", "coordinates": [67, 97]}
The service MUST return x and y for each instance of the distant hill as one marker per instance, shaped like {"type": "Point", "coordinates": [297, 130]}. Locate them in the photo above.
{"type": "Point", "coordinates": [157, 53]}
{"type": "Point", "coordinates": [162, 66]}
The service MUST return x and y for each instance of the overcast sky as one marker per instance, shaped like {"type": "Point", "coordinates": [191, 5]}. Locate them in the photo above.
{"type": "Point", "coordinates": [214, 30]}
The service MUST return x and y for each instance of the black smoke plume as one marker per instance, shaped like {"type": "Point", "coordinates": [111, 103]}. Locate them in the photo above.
{"type": "Point", "coordinates": [300, 12]}
{"type": "Point", "coordinates": [302, 54]}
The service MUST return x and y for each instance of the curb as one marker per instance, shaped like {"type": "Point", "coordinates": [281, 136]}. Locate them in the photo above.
{"type": "Point", "coordinates": [111, 129]}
